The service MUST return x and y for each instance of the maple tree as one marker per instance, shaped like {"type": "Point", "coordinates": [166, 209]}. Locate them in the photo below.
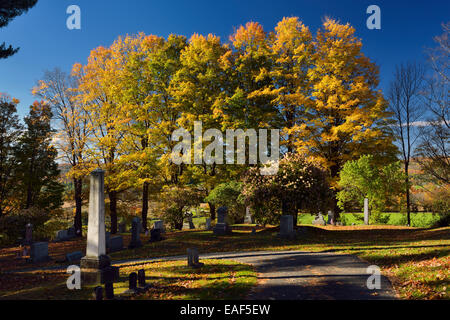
{"type": "Point", "coordinates": [59, 90]}
{"type": "Point", "coordinates": [321, 91]}
{"type": "Point", "coordinates": [97, 90]}
{"type": "Point", "coordinates": [347, 117]}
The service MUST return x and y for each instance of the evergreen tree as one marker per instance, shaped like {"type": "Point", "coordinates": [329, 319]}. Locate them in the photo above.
{"type": "Point", "coordinates": [9, 132]}
{"type": "Point", "coordinates": [9, 9]}
{"type": "Point", "coordinates": [37, 171]}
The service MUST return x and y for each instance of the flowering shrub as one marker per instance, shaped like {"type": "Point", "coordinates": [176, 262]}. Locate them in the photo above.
{"type": "Point", "coordinates": [300, 184]}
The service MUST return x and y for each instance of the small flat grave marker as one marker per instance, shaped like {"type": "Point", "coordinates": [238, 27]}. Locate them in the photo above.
{"type": "Point", "coordinates": [193, 259]}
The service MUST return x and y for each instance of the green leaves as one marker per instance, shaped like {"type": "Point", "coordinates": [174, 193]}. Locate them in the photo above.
{"type": "Point", "coordinates": [364, 178]}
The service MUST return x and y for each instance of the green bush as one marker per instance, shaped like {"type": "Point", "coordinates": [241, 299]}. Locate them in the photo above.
{"type": "Point", "coordinates": [228, 194]}
{"type": "Point", "coordinates": [423, 220]}
{"type": "Point", "coordinates": [378, 218]}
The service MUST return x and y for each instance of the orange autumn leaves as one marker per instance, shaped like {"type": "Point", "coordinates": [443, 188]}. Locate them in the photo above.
{"type": "Point", "coordinates": [319, 89]}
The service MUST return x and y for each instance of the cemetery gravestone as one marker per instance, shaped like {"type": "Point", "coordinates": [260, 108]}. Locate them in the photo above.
{"type": "Point", "coordinates": [115, 243]}
{"type": "Point", "coordinates": [222, 226]}
{"type": "Point", "coordinates": [96, 261]}
{"type": "Point", "coordinates": [135, 235]}
{"type": "Point", "coordinates": [330, 219]}
{"type": "Point", "coordinates": [98, 293]}
{"type": "Point", "coordinates": [248, 217]}
{"type": "Point", "coordinates": [74, 256]}
{"type": "Point", "coordinates": [109, 276]}
{"type": "Point", "coordinates": [287, 226]}
{"type": "Point", "coordinates": [132, 281]}
{"type": "Point", "coordinates": [155, 235]}
{"type": "Point", "coordinates": [191, 224]}
{"type": "Point", "coordinates": [141, 278]}
{"type": "Point", "coordinates": [208, 224]}
{"type": "Point", "coordinates": [141, 281]}
{"type": "Point", "coordinates": [159, 224]}
{"type": "Point", "coordinates": [62, 235]}
{"type": "Point", "coordinates": [39, 252]}
{"type": "Point", "coordinates": [366, 211]}
{"type": "Point", "coordinates": [66, 234]}
{"type": "Point", "coordinates": [319, 220]}
{"type": "Point", "coordinates": [193, 259]}
{"type": "Point", "coordinates": [109, 290]}
{"type": "Point", "coordinates": [71, 232]}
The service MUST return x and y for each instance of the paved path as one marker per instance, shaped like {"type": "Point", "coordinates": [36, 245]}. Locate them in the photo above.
{"type": "Point", "coordinates": [311, 276]}
{"type": "Point", "coordinates": [295, 275]}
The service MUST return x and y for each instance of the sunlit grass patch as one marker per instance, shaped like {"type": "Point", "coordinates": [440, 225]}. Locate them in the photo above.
{"type": "Point", "coordinates": [217, 279]}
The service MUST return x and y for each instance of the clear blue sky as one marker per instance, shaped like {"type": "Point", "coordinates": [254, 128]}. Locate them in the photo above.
{"type": "Point", "coordinates": [407, 28]}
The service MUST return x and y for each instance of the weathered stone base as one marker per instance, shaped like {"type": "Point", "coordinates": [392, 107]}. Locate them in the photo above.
{"type": "Point", "coordinates": [155, 235]}
{"type": "Point", "coordinates": [92, 268]}
{"type": "Point", "coordinates": [222, 229]}
{"type": "Point", "coordinates": [196, 265]}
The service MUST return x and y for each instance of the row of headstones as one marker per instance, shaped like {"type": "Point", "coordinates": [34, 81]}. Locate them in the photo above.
{"type": "Point", "coordinates": [287, 221]}
{"type": "Point", "coordinates": [221, 220]}
{"type": "Point", "coordinates": [115, 243]}
{"type": "Point", "coordinates": [39, 250]}
{"type": "Point", "coordinates": [320, 220]}
{"type": "Point", "coordinates": [136, 281]}
{"type": "Point", "coordinates": [65, 234]}
{"type": "Point", "coordinates": [136, 284]}
{"type": "Point", "coordinates": [156, 233]}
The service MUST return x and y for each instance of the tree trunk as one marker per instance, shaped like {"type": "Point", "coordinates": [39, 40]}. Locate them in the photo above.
{"type": "Point", "coordinates": [296, 206]}
{"type": "Point", "coordinates": [334, 170]}
{"type": "Point", "coordinates": [212, 211]}
{"type": "Point", "coordinates": [408, 200]}
{"type": "Point", "coordinates": [113, 210]}
{"type": "Point", "coordinates": [145, 188]}
{"type": "Point", "coordinates": [78, 224]}
{"type": "Point", "coordinates": [178, 223]}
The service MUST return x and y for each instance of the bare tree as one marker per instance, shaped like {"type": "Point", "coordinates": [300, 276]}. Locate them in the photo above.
{"type": "Point", "coordinates": [58, 88]}
{"type": "Point", "coordinates": [433, 151]}
{"type": "Point", "coordinates": [440, 56]}
{"type": "Point", "coordinates": [405, 103]}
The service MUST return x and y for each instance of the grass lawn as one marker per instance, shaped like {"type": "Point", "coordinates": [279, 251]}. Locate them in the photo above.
{"type": "Point", "coordinates": [217, 279]}
{"type": "Point", "coordinates": [418, 219]}
{"type": "Point", "coordinates": [416, 260]}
